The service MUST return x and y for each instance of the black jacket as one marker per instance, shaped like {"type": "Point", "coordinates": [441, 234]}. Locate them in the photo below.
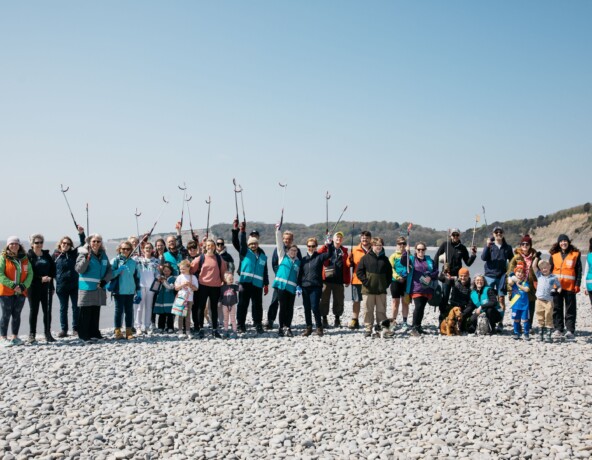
{"type": "Point", "coordinates": [375, 272]}
{"type": "Point", "coordinates": [42, 265]}
{"type": "Point", "coordinates": [311, 270]}
{"type": "Point", "coordinates": [65, 262]}
{"type": "Point", "coordinates": [457, 253]}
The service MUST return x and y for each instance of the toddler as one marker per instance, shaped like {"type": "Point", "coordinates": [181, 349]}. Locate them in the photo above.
{"type": "Point", "coordinates": [185, 285]}
{"type": "Point", "coordinates": [548, 286]}
{"type": "Point", "coordinates": [228, 301]}
{"type": "Point", "coordinates": [519, 288]}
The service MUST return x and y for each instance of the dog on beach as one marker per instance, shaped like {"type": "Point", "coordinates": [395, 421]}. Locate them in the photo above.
{"type": "Point", "coordinates": [450, 325]}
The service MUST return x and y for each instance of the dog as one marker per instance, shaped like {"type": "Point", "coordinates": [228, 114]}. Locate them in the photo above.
{"type": "Point", "coordinates": [450, 325]}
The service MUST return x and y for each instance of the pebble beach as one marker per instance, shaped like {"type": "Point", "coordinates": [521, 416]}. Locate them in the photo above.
{"type": "Point", "coordinates": [334, 397]}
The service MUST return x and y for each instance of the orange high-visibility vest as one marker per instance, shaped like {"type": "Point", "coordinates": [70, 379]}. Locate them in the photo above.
{"type": "Point", "coordinates": [11, 272]}
{"type": "Point", "coordinates": [565, 269]}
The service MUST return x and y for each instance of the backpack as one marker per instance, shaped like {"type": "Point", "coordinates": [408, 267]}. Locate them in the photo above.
{"type": "Point", "coordinates": [483, 326]}
{"type": "Point", "coordinates": [437, 295]}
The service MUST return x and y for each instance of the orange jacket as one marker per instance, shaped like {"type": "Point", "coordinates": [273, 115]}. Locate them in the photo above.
{"type": "Point", "coordinates": [565, 269]}
{"type": "Point", "coordinates": [11, 268]}
{"type": "Point", "coordinates": [356, 255]}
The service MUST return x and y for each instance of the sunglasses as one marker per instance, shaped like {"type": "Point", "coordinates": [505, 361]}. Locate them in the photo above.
{"type": "Point", "coordinates": [311, 245]}
{"type": "Point", "coordinates": [421, 249]}
{"type": "Point", "coordinates": [96, 241]}
{"type": "Point", "coordinates": [524, 244]}
{"type": "Point", "coordinates": [37, 242]}
{"type": "Point", "coordinates": [219, 244]}
{"type": "Point", "coordinates": [498, 233]}
{"type": "Point", "coordinates": [455, 234]}
{"type": "Point", "coordinates": [66, 243]}
{"type": "Point", "coordinates": [126, 249]}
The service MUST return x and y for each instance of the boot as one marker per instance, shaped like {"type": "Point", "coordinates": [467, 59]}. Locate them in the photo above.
{"type": "Point", "coordinates": [128, 333]}
{"type": "Point", "coordinates": [542, 334]}
{"type": "Point", "coordinates": [118, 334]}
{"type": "Point", "coordinates": [307, 331]}
{"type": "Point", "coordinates": [354, 324]}
{"type": "Point", "coordinates": [31, 338]}
{"type": "Point", "coordinates": [325, 322]}
{"type": "Point", "coordinates": [337, 322]}
{"type": "Point", "coordinates": [49, 338]}
{"type": "Point", "coordinates": [319, 331]}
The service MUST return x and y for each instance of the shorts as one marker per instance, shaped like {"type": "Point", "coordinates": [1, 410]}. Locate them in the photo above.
{"type": "Point", "coordinates": [520, 315]}
{"type": "Point", "coordinates": [397, 289]}
{"type": "Point", "coordinates": [356, 292]}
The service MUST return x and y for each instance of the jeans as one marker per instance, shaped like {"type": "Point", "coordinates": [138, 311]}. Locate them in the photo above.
{"type": "Point", "coordinates": [124, 303]}
{"type": "Point", "coordinates": [12, 306]}
{"type": "Point", "coordinates": [63, 297]}
{"type": "Point", "coordinates": [311, 298]}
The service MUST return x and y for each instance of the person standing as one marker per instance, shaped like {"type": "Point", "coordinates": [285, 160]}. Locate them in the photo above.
{"type": "Point", "coordinates": [588, 272]}
{"type": "Point", "coordinates": [209, 269]}
{"type": "Point", "coordinates": [354, 259]}
{"type": "Point", "coordinates": [222, 252]}
{"type": "Point", "coordinates": [452, 253]}
{"type": "Point", "coordinates": [375, 273]}
{"type": "Point", "coordinates": [94, 272]}
{"type": "Point", "coordinates": [148, 272]}
{"type": "Point", "coordinates": [126, 273]}
{"type": "Point", "coordinates": [64, 258]}
{"type": "Point", "coordinates": [567, 266]}
{"type": "Point", "coordinates": [526, 255]}
{"type": "Point", "coordinates": [496, 255]}
{"type": "Point", "coordinates": [16, 276]}
{"type": "Point", "coordinates": [399, 278]}
{"type": "Point", "coordinates": [422, 272]}
{"type": "Point", "coordinates": [312, 283]}
{"type": "Point", "coordinates": [288, 241]}
{"type": "Point", "coordinates": [288, 278]}
{"type": "Point", "coordinates": [41, 290]}
{"type": "Point", "coordinates": [336, 277]}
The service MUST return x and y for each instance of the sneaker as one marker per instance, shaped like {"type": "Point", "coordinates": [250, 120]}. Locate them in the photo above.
{"type": "Point", "coordinates": [74, 333]}
{"type": "Point", "coordinates": [49, 338]}
{"type": "Point", "coordinates": [170, 331]}
{"type": "Point", "coordinates": [526, 337]}
{"type": "Point", "coordinates": [268, 326]}
{"type": "Point", "coordinates": [420, 330]}
{"type": "Point", "coordinates": [414, 332]}
{"type": "Point", "coordinates": [337, 322]}
{"type": "Point", "coordinates": [289, 332]}
{"type": "Point", "coordinates": [216, 334]}
{"type": "Point", "coordinates": [200, 334]}
{"type": "Point", "coordinates": [16, 341]}
{"type": "Point", "coordinates": [557, 336]}
{"type": "Point", "coordinates": [570, 335]}
{"type": "Point", "coordinates": [325, 322]}
{"type": "Point", "coordinates": [242, 329]}
{"type": "Point", "coordinates": [188, 336]}
{"type": "Point", "coordinates": [516, 336]}
{"type": "Point", "coordinates": [259, 329]}
{"type": "Point", "coordinates": [549, 336]}
{"type": "Point", "coordinates": [354, 324]}
{"type": "Point", "coordinates": [62, 334]}
{"type": "Point", "coordinates": [280, 332]}
{"type": "Point", "coordinates": [500, 328]}
{"type": "Point", "coordinates": [31, 338]}
{"type": "Point", "coordinates": [368, 333]}
{"type": "Point", "coordinates": [159, 330]}
{"type": "Point", "coordinates": [234, 335]}
{"type": "Point", "coordinates": [405, 326]}
{"type": "Point", "coordinates": [7, 343]}
{"type": "Point", "coordinates": [542, 334]}
{"type": "Point", "coordinates": [181, 335]}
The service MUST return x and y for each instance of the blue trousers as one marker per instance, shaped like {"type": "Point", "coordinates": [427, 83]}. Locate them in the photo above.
{"type": "Point", "coordinates": [72, 296]}
{"type": "Point", "coordinates": [311, 298]}
{"type": "Point", "coordinates": [124, 303]}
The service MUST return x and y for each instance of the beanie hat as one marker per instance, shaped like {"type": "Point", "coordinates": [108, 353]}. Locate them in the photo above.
{"type": "Point", "coordinates": [12, 239]}
{"type": "Point", "coordinates": [252, 239]}
{"type": "Point", "coordinates": [455, 230]}
{"type": "Point", "coordinates": [563, 237]}
{"type": "Point", "coordinates": [463, 271]}
{"type": "Point", "coordinates": [526, 239]}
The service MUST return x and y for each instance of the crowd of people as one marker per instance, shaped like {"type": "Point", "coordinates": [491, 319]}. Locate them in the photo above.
{"type": "Point", "coordinates": [154, 283]}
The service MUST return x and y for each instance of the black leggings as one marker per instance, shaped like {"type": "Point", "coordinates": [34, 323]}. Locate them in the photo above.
{"type": "Point", "coordinates": [166, 321]}
{"type": "Point", "coordinates": [198, 311]}
{"type": "Point", "coordinates": [418, 311]}
{"type": "Point", "coordinates": [88, 322]}
{"type": "Point", "coordinates": [286, 300]}
{"type": "Point", "coordinates": [40, 295]}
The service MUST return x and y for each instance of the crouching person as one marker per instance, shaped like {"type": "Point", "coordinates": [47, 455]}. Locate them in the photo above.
{"type": "Point", "coordinates": [484, 301]}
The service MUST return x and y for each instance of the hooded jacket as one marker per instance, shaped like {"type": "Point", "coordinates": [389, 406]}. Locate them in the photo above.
{"type": "Point", "coordinates": [375, 273]}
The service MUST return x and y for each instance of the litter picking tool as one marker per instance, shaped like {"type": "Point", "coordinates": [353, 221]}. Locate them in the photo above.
{"type": "Point", "coordinates": [64, 191]}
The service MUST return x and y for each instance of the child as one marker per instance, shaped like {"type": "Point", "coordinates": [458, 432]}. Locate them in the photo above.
{"type": "Point", "coordinates": [548, 286]}
{"type": "Point", "coordinates": [228, 301]}
{"type": "Point", "coordinates": [165, 299]}
{"type": "Point", "coordinates": [519, 288]}
{"type": "Point", "coordinates": [185, 284]}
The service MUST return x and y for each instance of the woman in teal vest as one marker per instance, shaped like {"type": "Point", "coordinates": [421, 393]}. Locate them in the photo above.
{"type": "Point", "coordinates": [287, 280]}
{"type": "Point", "coordinates": [92, 265]}
{"type": "Point", "coordinates": [125, 269]}
{"type": "Point", "coordinates": [588, 272]}
{"type": "Point", "coordinates": [484, 300]}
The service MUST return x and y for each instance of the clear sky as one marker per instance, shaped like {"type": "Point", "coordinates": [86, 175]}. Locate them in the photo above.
{"type": "Point", "coordinates": [405, 111]}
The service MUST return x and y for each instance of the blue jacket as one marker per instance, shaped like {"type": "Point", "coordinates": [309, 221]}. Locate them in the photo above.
{"type": "Point", "coordinates": [165, 297]}
{"type": "Point", "coordinates": [96, 270]}
{"type": "Point", "coordinates": [496, 259]}
{"type": "Point", "coordinates": [486, 299]}
{"type": "Point", "coordinates": [66, 274]}
{"type": "Point", "coordinates": [253, 267]}
{"type": "Point", "coordinates": [287, 276]}
{"type": "Point", "coordinates": [129, 279]}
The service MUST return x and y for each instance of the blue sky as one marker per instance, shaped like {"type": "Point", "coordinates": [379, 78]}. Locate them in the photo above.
{"type": "Point", "coordinates": [404, 111]}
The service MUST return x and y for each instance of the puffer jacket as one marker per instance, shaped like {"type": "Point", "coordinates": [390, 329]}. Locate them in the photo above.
{"type": "Point", "coordinates": [375, 273]}
{"type": "Point", "coordinates": [311, 267]}
{"type": "Point", "coordinates": [66, 274]}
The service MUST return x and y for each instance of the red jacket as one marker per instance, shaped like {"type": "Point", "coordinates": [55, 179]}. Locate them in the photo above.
{"type": "Point", "coordinates": [346, 265]}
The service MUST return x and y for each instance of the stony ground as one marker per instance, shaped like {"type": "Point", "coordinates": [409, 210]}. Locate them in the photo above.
{"type": "Point", "coordinates": [339, 396]}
